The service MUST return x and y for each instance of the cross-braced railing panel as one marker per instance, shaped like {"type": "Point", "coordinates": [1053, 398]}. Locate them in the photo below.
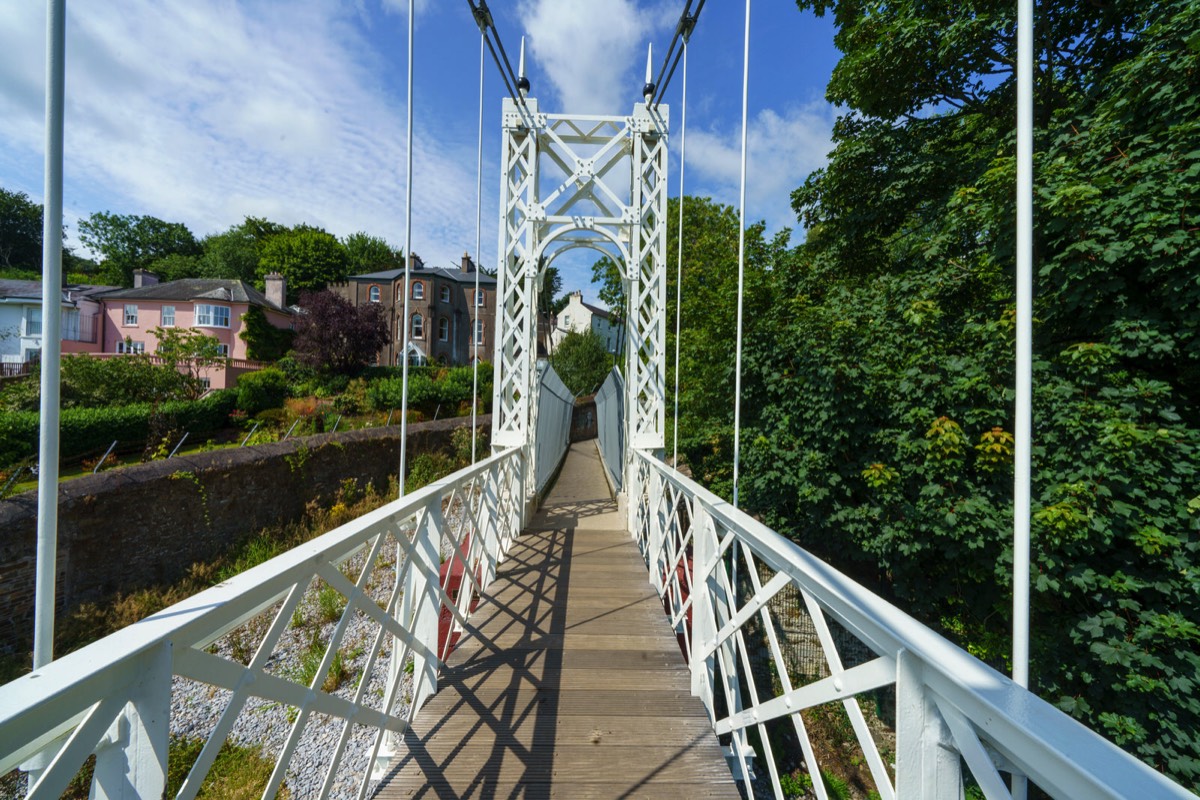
{"type": "Point", "coordinates": [776, 639]}
{"type": "Point", "coordinates": [320, 656]}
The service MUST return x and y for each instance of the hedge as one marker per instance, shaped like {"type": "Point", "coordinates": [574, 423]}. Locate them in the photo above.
{"type": "Point", "coordinates": [87, 430]}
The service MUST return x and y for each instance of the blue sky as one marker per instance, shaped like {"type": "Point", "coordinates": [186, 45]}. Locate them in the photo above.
{"type": "Point", "coordinates": [205, 112]}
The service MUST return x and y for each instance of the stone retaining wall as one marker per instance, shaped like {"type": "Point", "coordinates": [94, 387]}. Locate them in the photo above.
{"type": "Point", "coordinates": [142, 525]}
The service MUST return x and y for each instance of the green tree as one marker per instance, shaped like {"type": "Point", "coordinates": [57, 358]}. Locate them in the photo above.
{"type": "Point", "coordinates": [128, 242]}
{"type": "Point", "coordinates": [366, 253]}
{"type": "Point", "coordinates": [20, 232]}
{"type": "Point", "coordinates": [582, 361]}
{"type": "Point", "coordinates": [310, 258]}
{"type": "Point", "coordinates": [190, 352]}
{"type": "Point", "coordinates": [550, 297]}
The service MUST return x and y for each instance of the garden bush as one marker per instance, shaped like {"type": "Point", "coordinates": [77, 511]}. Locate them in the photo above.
{"type": "Point", "coordinates": [258, 391]}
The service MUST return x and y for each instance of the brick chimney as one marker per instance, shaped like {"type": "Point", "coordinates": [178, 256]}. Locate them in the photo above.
{"type": "Point", "coordinates": [276, 289]}
{"type": "Point", "coordinates": [415, 262]}
{"type": "Point", "coordinates": [467, 264]}
{"type": "Point", "coordinates": [143, 277]}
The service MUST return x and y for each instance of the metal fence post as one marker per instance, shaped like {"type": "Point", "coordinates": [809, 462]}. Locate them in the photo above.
{"type": "Point", "coordinates": [132, 760]}
{"type": "Point", "coordinates": [927, 765]}
{"type": "Point", "coordinates": [426, 606]}
{"type": "Point", "coordinates": [104, 457]}
{"type": "Point", "coordinates": [704, 625]}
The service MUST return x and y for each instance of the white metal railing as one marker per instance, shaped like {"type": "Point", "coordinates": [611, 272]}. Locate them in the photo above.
{"type": "Point", "coordinates": [723, 575]}
{"type": "Point", "coordinates": [610, 425]}
{"type": "Point", "coordinates": [121, 696]}
{"type": "Point", "coordinates": [552, 427]}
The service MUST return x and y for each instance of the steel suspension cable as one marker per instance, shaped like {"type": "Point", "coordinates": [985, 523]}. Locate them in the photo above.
{"type": "Point", "coordinates": [478, 227]}
{"type": "Point", "coordinates": [679, 259]}
{"type": "Point", "coordinates": [737, 386]}
{"type": "Point", "coordinates": [407, 256]}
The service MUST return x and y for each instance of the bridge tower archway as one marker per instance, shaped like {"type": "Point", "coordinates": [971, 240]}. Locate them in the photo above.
{"type": "Point", "coordinates": [570, 182]}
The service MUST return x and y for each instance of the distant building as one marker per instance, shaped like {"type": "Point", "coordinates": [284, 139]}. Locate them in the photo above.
{"type": "Point", "coordinates": [21, 321]}
{"type": "Point", "coordinates": [212, 306]}
{"type": "Point", "coordinates": [446, 319]}
{"type": "Point", "coordinates": [580, 316]}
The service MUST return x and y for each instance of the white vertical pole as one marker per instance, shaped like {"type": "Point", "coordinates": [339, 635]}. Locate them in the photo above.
{"type": "Point", "coordinates": [679, 261]}
{"type": "Point", "coordinates": [405, 323]}
{"type": "Point", "coordinates": [737, 388]}
{"type": "Point", "coordinates": [1024, 430]}
{"type": "Point", "coordinates": [1024, 373]}
{"type": "Point", "coordinates": [478, 261]}
{"type": "Point", "coordinates": [47, 527]}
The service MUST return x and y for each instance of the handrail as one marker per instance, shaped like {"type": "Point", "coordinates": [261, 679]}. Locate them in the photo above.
{"type": "Point", "coordinates": [949, 702]}
{"type": "Point", "coordinates": [113, 697]}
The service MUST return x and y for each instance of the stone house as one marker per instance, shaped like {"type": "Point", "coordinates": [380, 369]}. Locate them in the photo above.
{"type": "Point", "coordinates": [447, 321]}
{"type": "Point", "coordinates": [580, 316]}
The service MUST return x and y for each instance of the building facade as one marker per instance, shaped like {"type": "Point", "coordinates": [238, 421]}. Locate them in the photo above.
{"type": "Point", "coordinates": [213, 307]}
{"type": "Point", "coordinates": [447, 322]}
{"type": "Point", "coordinates": [581, 317]}
{"type": "Point", "coordinates": [21, 320]}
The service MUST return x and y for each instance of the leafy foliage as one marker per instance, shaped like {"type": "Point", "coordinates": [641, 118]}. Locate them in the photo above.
{"type": "Point", "coordinates": [335, 336]}
{"type": "Point", "coordinates": [127, 242]}
{"type": "Point", "coordinates": [367, 253]}
{"type": "Point", "coordinates": [20, 231]}
{"type": "Point", "coordinates": [582, 361]}
{"type": "Point", "coordinates": [190, 352]}
{"type": "Point", "coordinates": [258, 391]}
{"type": "Point", "coordinates": [89, 382]}
{"type": "Point", "coordinates": [877, 411]}
{"type": "Point", "coordinates": [264, 341]}
{"type": "Point", "coordinates": [309, 258]}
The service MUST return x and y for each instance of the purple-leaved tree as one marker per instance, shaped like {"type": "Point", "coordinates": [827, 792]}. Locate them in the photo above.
{"type": "Point", "coordinates": [333, 335]}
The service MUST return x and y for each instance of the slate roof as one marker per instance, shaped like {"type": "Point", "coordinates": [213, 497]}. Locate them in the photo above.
{"type": "Point", "coordinates": [219, 290]}
{"type": "Point", "coordinates": [32, 290]}
{"type": "Point", "coordinates": [599, 312]}
{"type": "Point", "coordinates": [456, 275]}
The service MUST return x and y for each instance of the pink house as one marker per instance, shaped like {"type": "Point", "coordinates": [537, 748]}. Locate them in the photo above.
{"type": "Point", "coordinates": [211, 306]}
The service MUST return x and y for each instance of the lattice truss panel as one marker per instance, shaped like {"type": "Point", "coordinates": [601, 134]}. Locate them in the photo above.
{"type": "Point", "coordinates": [318, 658]}
{"type": "Point", "coordinates": [517, 271]}
{"type": "Point", "coordinates": [781, 669]}
{"type": "Point", "coordinates": [575, 181]}
{"type": "Point", "coordinates": [645, 374]}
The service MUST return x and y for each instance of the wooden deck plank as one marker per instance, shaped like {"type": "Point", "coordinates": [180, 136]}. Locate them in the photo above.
{"type": "Point", "coordinates": [568, 682]}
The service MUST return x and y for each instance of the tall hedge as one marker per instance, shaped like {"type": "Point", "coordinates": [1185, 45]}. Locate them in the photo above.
{"type": "Point", "coordinates": [86, 430]}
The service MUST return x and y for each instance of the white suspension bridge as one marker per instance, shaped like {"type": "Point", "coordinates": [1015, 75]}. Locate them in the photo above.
{"type": "Point", "coordinates": [628, 639]}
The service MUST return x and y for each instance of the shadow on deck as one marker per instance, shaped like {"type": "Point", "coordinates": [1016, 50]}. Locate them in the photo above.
{"type": "Point", "coordinates": [568, 682]}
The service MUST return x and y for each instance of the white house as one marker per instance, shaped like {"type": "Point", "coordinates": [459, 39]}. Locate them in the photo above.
{"type": "Point", "coordinates": [580, 316]}
{"type": "Point", "coordinates": [21, 319]}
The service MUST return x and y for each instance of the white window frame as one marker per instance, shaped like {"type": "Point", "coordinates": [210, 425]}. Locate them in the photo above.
{"type": "Point", "coordinates": [479, 297]}
{"type": "Point", "coordinates": [479, 332]}
{"type": "Point", "coordinates": [168, 319]}
{"type": "Point", "coordinates": [443, 329]}
{"type": "Point", "coordinates": [209, 316]}
{"type": "Point", "coordinates": [445, 294]}
{"type": "Point", "coordinates": [417, 327]}
{"type": "Point", "coordinates": [373, 294]}
{"type": "Point", "coordinates": [130, 347]}
{"type": "Point", "coordinates": [418, 290]}
{"type": "Point", "coordinates": [131, 315]}
{"type": "Point", "coordinates": [223, 349]}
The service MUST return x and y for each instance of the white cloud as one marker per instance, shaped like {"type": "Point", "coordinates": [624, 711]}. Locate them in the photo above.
{"type": "Point", "coordinates": [207, 112]}
{"type": "Point", "coordinates": [782, 149]}
{"type": "Point", "coordinates": [593, 52]}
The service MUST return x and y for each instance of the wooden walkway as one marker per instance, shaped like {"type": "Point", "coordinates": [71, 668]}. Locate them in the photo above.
{"type": "Point", "coordinates": [570, 683]}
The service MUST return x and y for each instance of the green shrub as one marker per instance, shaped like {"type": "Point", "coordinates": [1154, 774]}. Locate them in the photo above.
{"type": "Point", "coordinates": [258, 391]}
{"type": "Point", "coordinates": [84, 430]}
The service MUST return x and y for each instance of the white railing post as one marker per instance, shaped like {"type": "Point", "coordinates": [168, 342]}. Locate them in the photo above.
{"type": "Point", "coordinates": [489, 525]}
{"type": "Point", "coordinates": [426, 606]}
{"type": "Point", "coordinates": [927, 764]}
{"type": "Point", "coordinates": [131, 760]}
{"type": "Point", "coordinates": [704, 624]}
{"type": "Point", "coordinates": [656, 517]}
